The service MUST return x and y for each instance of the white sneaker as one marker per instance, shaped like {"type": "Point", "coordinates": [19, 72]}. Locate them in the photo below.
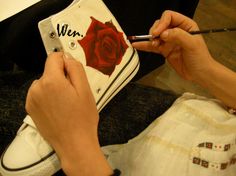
{"type": "Point", "coordinates": [29, 154]}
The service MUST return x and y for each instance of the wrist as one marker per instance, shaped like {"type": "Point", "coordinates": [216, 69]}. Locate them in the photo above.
{"type": "Point", "coordinates": [204, 76]}
{"type": "Point", "coordinates": [220, 81]}
{"type": "Point", "coordinates": [85, 160]}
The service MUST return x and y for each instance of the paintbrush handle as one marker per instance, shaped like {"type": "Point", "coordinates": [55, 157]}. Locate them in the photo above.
{"type": "Point", "coordinates": [212, 31]}
{"type": "Point", "coordinates": [207, 31]}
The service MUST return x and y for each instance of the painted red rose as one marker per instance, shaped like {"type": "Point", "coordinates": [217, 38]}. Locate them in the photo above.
{"type": "Point", "coordinates": [104, 46]}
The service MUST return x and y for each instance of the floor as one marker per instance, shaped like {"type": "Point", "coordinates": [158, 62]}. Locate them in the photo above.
{"type": "Point", "coordinates": [209, 14]}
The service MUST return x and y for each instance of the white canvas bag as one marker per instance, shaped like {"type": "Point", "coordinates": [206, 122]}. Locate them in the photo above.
{"type": "Point", "coordinates": [195, 137]}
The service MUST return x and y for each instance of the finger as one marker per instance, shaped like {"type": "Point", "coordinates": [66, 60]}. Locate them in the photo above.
{"type": "Point", "coordinates": [76, 74]}
{"type": "Point", "coordinates": [34, 83]}
{"type": "Point", "coordinates": [54, 65]}
{"type": "Point", "coordinates": [28, 102]}
{"type": "Point", "coordinates": [148, 46]}
{"type": "Point", "coordinates": [154, 26]}
{"type": "Point", "coordinates": [179, 37]}
{"type": "Point", "coordinates": [166, 49]}
{"type": "Point", "coordinates": [170, 19]}
{"type": "Point", "coordinates": [32, 86]}
{"type": "Point", "coordinates": [173, 58]}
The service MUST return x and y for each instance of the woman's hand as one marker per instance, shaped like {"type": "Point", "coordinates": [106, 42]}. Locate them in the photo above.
{"type": "Point", "coordinates": [189, 55]}
{"type": "Point", "coordinates": [186, 53]}
{"type": "Point", "coordinates": [63, 108]}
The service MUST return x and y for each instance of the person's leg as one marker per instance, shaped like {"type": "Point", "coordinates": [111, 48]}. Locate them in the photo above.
{"type": "Point", "coordinates": [131, 111]}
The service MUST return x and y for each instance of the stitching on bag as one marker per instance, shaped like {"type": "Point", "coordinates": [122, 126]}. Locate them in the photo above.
{"type": "Point", "coordinates": [214, 165]}
{"type": "Point", "coordinates": [218, 148]}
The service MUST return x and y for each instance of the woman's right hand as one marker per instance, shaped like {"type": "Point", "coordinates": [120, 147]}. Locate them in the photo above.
{"type": "Point", "coordinates": [189, 56]}
{"type": "Point", "coordinates": [186, 53]}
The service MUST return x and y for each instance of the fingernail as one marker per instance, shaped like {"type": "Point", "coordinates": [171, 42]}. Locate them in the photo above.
{"type": "Point", "coordinates": [165, 34]}
{"type": "Point", "coordinates": [67, 55]}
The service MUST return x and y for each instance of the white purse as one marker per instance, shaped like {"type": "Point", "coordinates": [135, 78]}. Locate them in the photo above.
{"type": "Point", "coordinates": [195, 136]}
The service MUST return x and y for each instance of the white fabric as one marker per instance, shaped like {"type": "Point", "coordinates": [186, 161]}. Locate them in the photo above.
{"type": "Point", "coordinates": [196, 136]}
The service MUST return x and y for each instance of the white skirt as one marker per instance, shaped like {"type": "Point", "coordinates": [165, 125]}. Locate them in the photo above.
{"type": "Point", "coordinates": [195, 137]}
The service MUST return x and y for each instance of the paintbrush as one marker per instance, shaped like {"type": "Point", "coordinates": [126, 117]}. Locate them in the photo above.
{"type": "Point", "coordinates": [207, 31]}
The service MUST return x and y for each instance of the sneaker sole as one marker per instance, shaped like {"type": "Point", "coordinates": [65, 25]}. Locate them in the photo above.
{"type": "Point", "coordinates": [44, 167]}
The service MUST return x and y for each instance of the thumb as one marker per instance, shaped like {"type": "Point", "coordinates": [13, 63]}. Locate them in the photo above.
{"type": "Point", "coordinates": [76, 74]}
{"type": "Point", "coordinates": [178, 36]}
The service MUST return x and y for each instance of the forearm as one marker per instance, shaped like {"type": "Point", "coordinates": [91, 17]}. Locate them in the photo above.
{"type": "Point", "coordinates": [221, 82]}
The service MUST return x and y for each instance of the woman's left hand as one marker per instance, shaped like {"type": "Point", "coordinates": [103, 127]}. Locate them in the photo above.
{"type": "Point", "coordinates": [64, 110]}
